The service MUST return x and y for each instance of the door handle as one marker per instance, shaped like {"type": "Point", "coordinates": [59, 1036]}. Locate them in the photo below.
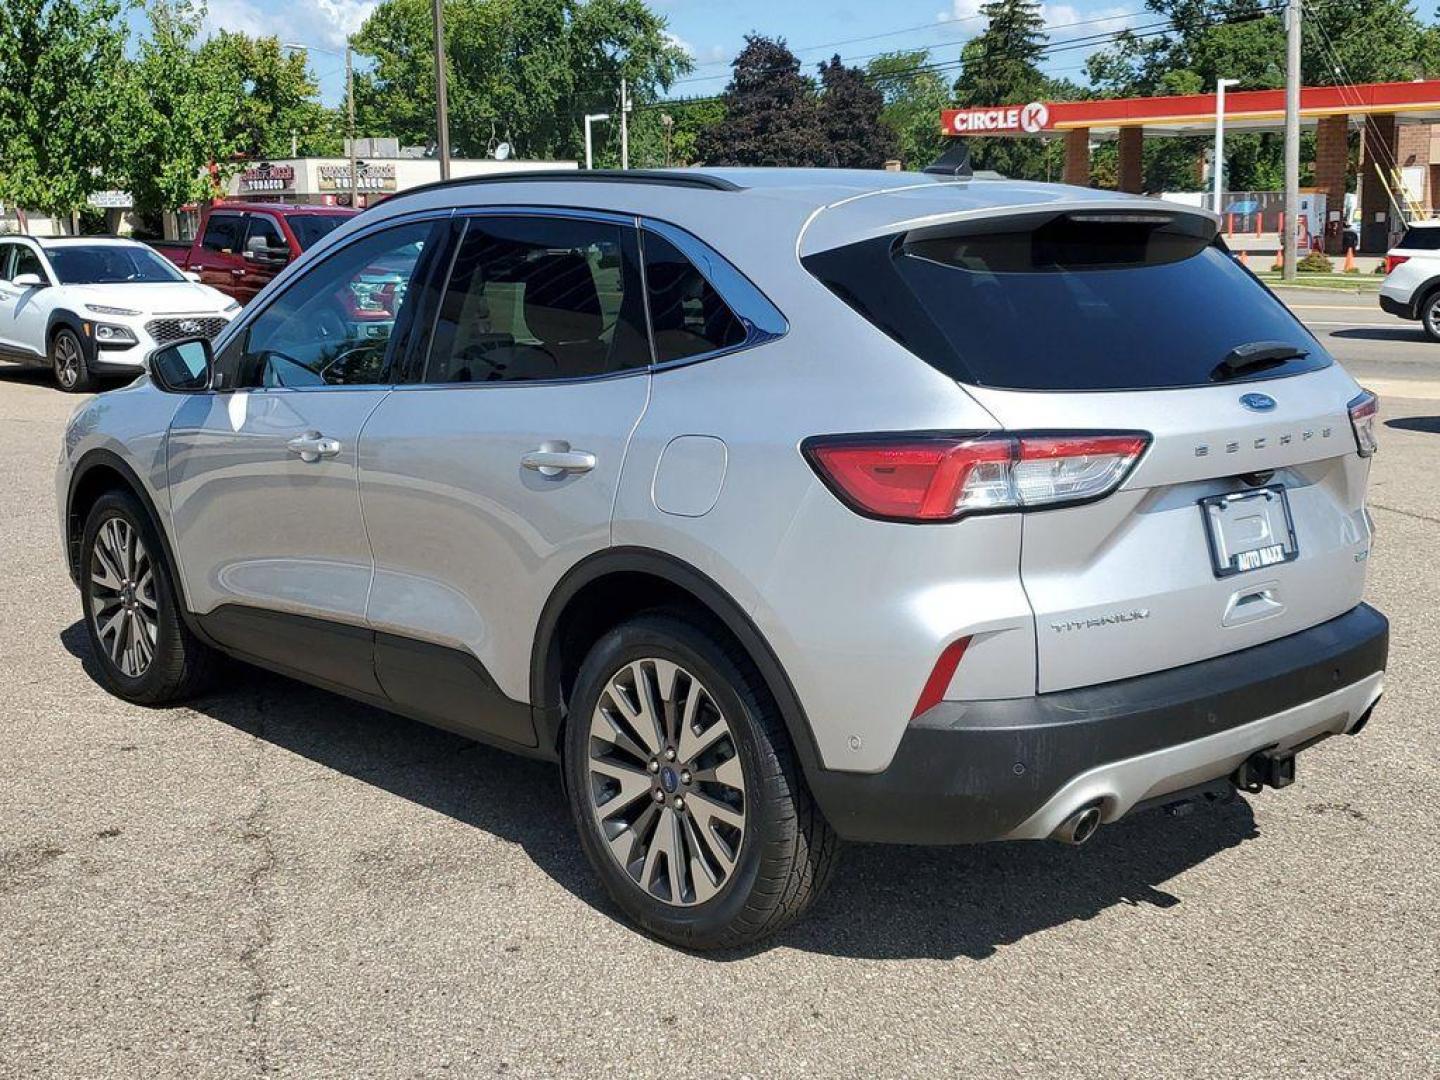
{"type": "Point", "coordinates": [237, 271]}
{"type": "Point", "coordinates": [556, 459]}
{"type": "Point", "coordinates": [312, 446]}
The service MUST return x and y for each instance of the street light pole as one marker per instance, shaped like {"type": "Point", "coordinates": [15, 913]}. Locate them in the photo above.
{"type": "Point", "coordinates": [1292, 136]}
{"type": "Point", "coordinates": [624, 125]}
{"type": "Point", "coordinates": [1219, 169]}
{"type": "Point", "coordinates": [591, 118]}
{"type": "Point", "coordinates": [442, 112]}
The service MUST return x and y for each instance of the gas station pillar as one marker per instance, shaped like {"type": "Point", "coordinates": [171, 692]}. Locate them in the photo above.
{"type": "Point", "coordinates": [1131, 176]}
{"type": "Point", "coordinates": [1077, 157]}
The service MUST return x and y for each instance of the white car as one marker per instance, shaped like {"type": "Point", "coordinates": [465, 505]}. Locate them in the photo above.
{"type": "Point", "coordinates": [1411, 288]}
{"type": "Point", "coordinates": [89, 307]}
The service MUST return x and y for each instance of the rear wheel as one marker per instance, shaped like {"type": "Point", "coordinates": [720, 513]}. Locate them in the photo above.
{"type": "Point", "coordinates": [144, 651]}
{"type": "Point", "coordinates": [683, 785]}
{"type": "Point", "coordinates": [67, 360]}
{"type": "Point", "coordinates": [1430, 315]}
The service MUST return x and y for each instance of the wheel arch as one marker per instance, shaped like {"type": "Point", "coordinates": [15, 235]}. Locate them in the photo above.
{"type": "Point", "coordinates": [97, 472]}
{"type": "Point", "coordinates": [65, 319]}
{"type": "Point", "coordinates": [1424, 293]}
{"type": "Point", "coordinates": [650, 579]}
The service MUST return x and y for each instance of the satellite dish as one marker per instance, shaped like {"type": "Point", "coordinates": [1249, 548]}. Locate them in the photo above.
{"type": "Point", "coordinates": [502, 152]}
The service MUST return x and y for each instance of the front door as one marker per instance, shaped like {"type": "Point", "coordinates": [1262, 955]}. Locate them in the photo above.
{"type": "Point", "coordinates": [266, 253]}
{"type": "Point", "coordinates": [263, 473]}
{"type": "Point", "coordinates": [494, 471]}
{"type": "Point", "coordinates": [218, 261]}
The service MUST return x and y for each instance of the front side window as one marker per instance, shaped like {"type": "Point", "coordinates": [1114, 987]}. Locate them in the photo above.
{"type": "Point", "coordinates": [687, 315]}
{"type": "Point", "coordinates": [539, 298]}
{"type": "Point", "coordinates": [222, 233]}
{"type": "Point", "coordinates": [107, 264]}
{"type": "Point", "coordinates": [333, 326]}
{"type": "Point", "coordinates": [264, 239]}
{"type": "Point", "coordinates": [310, 229]}
{"type": "Point", "coordinates": [27, 261]}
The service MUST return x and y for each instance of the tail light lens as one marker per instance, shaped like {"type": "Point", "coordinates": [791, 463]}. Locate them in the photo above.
{"type": "Point", "coordinates": [1363, 413]}
{"type": "Point", "coordinates": [1392, 261]}
{"type": "Point", "coordinates": [945, 477]}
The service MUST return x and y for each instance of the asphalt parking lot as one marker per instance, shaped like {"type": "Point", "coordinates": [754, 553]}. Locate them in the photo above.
{"type": "Point", "coordinates": [276, 881]}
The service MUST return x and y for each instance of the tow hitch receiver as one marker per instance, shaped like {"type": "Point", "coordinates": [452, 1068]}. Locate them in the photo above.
{"type": "Point", "coordinates": [1269, 768]}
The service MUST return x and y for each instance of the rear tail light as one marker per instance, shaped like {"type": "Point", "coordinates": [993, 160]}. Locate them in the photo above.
{"type": "Point", "coordinates": [921, 478]}
{"type": "Point", "coordinates": [1392, 261]}
{"type": "Point", "coordinates": [1363, 412]}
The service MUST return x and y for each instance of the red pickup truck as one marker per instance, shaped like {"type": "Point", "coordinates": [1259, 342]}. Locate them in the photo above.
{"type": "Point", "coordinates": [240, 246]}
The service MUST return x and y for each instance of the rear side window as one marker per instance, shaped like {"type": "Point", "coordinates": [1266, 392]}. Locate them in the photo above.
{"type": "Point", "coordinates": [1070, 302]}
{"type": "Point", "coordinates": [539, 298]}
{"type": "Point", "coordinates": [222, 233]}
{"type": "Point", "coordinates": [1421, 239]}
{"type": "Point", "coordinates": [687, 315]}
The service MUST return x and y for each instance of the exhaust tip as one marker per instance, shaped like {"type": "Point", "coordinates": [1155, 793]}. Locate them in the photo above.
{"type": "Point", "coordinates": [1079, 826]}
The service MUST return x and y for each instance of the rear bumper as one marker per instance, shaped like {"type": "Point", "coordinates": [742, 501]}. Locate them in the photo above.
{"type": "Point", "coordinates": [1403, 308]}
{"type": "Point", "coordinates": [1015, 769]}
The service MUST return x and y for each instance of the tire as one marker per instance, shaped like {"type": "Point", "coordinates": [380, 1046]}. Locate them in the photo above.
{"type": "Point", "coordinates": [68, 364]}
{"type": "Point", "coordinates": [150, 657]}
{"type": "Point", "coordinates": [1430, 315]}
{"type": "Point", "coordinates": [751, 879]}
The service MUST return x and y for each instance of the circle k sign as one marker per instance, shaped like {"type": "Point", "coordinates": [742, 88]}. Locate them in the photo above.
{"type": "Point", "coordinates": [1029, 119]}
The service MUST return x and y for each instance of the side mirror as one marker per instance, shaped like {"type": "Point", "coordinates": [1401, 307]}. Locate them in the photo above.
{"type": "Point", "coordinates": [190, 275]}
{"type": "Point", "coordinates": [183, 367]}
{"type": "Point", "coordinates": [28, 281]}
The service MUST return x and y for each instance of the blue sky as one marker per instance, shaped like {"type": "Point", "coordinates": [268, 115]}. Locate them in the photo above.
{"type": "Point", "coordinates": [712, 32]}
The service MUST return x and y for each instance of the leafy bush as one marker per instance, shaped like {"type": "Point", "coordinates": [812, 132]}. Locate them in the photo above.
{"type": "Point", "coordinates": [1315, 263]}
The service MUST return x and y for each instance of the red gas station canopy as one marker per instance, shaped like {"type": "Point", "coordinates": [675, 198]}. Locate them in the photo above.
{"type": "Point", "coordinates": [1253, 110]}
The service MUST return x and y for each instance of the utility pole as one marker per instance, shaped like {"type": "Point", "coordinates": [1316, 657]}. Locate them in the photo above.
{"type": "Point", "coordinates": [442, 112]}
{"type": "Point", "coordinates": [350, 124]}
{"type": "Point", "coordinates": [1292, 136]}
{"type": "Point", "coordinates": [624, 125]}
{"type": "Point", "coordinates": [1219, 169]}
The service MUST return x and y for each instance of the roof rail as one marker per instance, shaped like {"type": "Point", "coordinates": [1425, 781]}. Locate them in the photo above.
{"type": "Point", "coordinates": [660, 177]}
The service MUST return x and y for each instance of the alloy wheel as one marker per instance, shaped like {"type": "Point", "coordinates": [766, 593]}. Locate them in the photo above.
{"type": "Point", "coordinates": [67, 360]}
{"type": "Point", "coordinates": [667, 790]}
{"type": "Point", "coordinates": [124, 605]}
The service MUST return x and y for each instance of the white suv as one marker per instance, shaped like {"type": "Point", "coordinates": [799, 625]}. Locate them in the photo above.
{"type": "Point", "coordinates": [94, 306]}
{"type": "Point", "coordinates": [1411, 288]}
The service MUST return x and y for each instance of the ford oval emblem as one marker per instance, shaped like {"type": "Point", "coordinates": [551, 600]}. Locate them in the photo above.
{"type": "Point", "coordinates": [1257, 402]}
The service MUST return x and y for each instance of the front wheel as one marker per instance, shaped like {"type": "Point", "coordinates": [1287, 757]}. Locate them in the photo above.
{"type": "Point", "coordinates": [685, 790]}
{"type": "Point", "coordinates": [145, 652]}
{"type": "Point", "coordinates": [67, 360]}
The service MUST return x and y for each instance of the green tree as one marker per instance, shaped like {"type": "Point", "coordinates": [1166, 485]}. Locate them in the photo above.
{"type": "Point", "coordinates": [914, 94]}
{"type": "Point", "coordinates": [1001, 66]}
{"type": "Point", "coordinates": [278, 97]}
{"type": "Point", "coordinates": [522, 71]}
{"type": "Point", "coordinates": [59, 64]}
{"type": "Point", "coordinates": [183, 120]}
{"type": "Point", "coordinates": [772, 115]}
{"type": "Point", "coordinates": [665, 133]}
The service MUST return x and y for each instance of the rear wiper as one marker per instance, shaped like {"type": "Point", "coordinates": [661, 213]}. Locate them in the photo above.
{"type": "Point", "coordinates": [1255, 356]}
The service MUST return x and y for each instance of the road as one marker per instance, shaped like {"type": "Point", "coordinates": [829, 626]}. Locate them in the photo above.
{"type": "Point", "coordinates": [1376, 347]}
{"type": "Point", "coordinates": [277, 882]}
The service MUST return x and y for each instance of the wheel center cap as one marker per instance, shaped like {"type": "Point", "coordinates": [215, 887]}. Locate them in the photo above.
{"type": "Point", "coordinates": [669, 780]}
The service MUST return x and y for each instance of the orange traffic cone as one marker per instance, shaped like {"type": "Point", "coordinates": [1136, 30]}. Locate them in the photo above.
{"type": "Point", "coordinates": [1279, 259]}
{"type": "Point", "coordinates": [1350, 261]}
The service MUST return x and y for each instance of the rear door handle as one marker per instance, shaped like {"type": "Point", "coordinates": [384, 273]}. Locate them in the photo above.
{"type": "Point", "coordinates": [312, 446]}
{"type": "Point", "coordinates": [556, 459]}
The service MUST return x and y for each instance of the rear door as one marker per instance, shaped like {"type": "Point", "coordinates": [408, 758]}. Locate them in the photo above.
{"type": "Point", "coordinates": [1124, 321]}
{"type": "Point", "coordinates": [494, 470]}
{"type": "Point", "coordinates": [218, 259]}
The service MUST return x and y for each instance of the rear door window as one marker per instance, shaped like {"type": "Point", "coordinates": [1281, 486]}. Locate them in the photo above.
{"type": "Point", "coordinates": [539, 298]}
{"type": "Point", "coordinates": [222, 233]}
{"type": "Point", "coordinates": [1071, 302]}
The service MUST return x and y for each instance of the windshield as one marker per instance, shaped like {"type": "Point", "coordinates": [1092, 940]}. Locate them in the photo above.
{"type": "Point", "coordinates": [1077, 303]}
{"type": "Point", "coordinates": [310, 229]}
{"type": "Point", "coordinates": [110, 264]}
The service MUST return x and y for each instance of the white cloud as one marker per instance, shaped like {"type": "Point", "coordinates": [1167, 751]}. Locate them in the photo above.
{"type": "Point", "coordinates": [1057, 17]}
{"type": "Point", "coordinates": [326, 23]}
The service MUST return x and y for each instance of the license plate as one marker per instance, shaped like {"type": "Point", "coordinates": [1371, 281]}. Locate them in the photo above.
{"type": "Point", "coordinates": [1249, 530]}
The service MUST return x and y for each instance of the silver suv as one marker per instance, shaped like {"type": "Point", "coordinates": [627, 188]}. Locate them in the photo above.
{"type": "Point", "coordinates": [778, 507]}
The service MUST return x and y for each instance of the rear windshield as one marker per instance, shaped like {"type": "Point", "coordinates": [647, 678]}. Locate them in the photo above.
{"type": "Point", "coordinates": [310, 229]}
{"type": "Point", "coordinates": [1072, 302]}
{"type": "Point", "coordinates": [1421, 239]}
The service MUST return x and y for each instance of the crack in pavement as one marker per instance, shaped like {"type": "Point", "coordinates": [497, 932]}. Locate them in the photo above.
{"type": "Point", "coordinates": [254, 832]}
{"type": "Point", "coordinates": [1406, 513]}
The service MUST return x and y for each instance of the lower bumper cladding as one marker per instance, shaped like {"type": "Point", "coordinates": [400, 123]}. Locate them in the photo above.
{"type": "Point", "coordinates": [967, 772]}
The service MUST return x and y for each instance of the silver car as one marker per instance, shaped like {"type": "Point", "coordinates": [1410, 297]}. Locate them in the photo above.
{"type": "Point", "coordinates": [778, 507]}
